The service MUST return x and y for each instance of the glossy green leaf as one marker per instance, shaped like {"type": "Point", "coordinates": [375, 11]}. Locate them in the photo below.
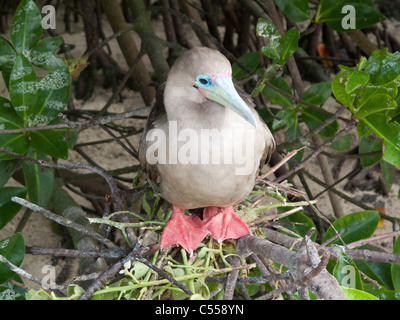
{"type": "Point", "coordinates": [301, 223]}
{"type": "Point", "coordinates": [355, 226]}
{"type": "Point", "coordinates": [369, 144]}
{"type": "Point", "coordinates": [395, 268]}
{"type": "Point", "coordinates": [388, 172]}
{"type": "Point", "coordinates": [50, 142]}
{"type": "Point", "coordinates": [274, 47]}
{"type": "Point", "coordinates": [53, 95]}
{"type": "Point", "coordinates": [294, 10]}
{"type": "Point", "coordinates": [16, 142]}
{"type": "Point", "coordinates": [365, 15]}
{"type": "Point", "coordinates": [383, 67]}
{"type": "Point", "coordinates": [293, 132]}
{"type": "Point", "coordinates": [354, 294]}
{"type": "Point", "coordinates": [42, 55]}
{"type": "Point", "coordinates": [26, 26]}
{"type": "Point", "coordinates": [275, 96]}
{"type": "Point", "coordinates": [13, 249]}
{"type": "Point", "coordinates": [23, 87]}
{"type": "Point", "coordinates": [313, 118]}
{"type": "Point", "coordinates": [388, 295]}
{"type": "Point", "coordinates": [356, 79]}
{"type": "Point", "coordinates": [7, 59]}
{"type": "Point", "coordinates": [375, 99]}
{"type": "Point", "coordinates": [290, 42]}
{"type": "Point", "coordinates": [265, 28]}
{"type": "Point", "coordinates": [342, 144]}
{"type": "Point", "coordinates": [9, 209]}
{"type": "Point", "coordinates": [318, 93]}
{"type": "Point", "coordinates": [7, 168]}
{"type": "Point", "coordinates": [390, 132]}
{"type": "Point", "coordinates": [339, 90]}
{"type": "Point", "coordinates": [250, 60]}
{"type": "Point", "coordinates": [39, 182]}
{"type": "Point", "coordinates": [7, 52]}
{"type": "Point", "coordinates": [378, 271]}
{"type": "Point", "coordinates": [347, 273]}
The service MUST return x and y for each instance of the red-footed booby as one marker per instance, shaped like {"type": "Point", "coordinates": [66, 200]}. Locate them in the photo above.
{"type": "Point", "coordinates": [204, 143]}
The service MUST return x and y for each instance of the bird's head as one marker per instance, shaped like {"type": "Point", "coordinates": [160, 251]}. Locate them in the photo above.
{"type": "Point", "coordinates": [202, 74]}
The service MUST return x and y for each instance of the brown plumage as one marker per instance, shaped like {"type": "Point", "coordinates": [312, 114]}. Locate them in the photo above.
{"type": "Point", "coordinates": [185, 103]}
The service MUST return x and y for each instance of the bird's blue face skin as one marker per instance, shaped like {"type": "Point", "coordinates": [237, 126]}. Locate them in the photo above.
{"type": "Point", "coordinates": [220, 88]}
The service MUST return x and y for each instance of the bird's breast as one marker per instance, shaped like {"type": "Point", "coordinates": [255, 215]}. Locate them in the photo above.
{"type": "Point", "coordinates": [205, 165]}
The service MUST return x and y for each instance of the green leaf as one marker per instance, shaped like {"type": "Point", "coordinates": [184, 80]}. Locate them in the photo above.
{"type": "Point", "coordinates": [9, 209]}
{"type": "Point", "coordinates": [387, 174]}
{"type": "Point", "coordinates": [13, 249]}
{"type": "Point", "coordinates": [390, 132]}
{"type": "Point", "coordinates": [42, 55]}
{"type": "Point", "coordinates": [347, 273]}
{"type": "Point", "coordinates": [342, 144]}
{"type": "Point", "coordinates": [7, 52]}
{"type": "Point", "coordinates": [395, 268]}
{"type": "Point", "coordinates": [274, 47]}
{"type": "Point", "coordinates": [339, 90]}
{"type": "Point", "coordinates": [318, 93]}
{"type": "Point", "coordinates": [354, 294]}
{"type": "Point", "coordinates": [26, 27]}
{"type": "Point", "coordinates": [53, 95]}
{"type": "Point", "coordinates": [16, 142]}
{"type": "Point", "coordinates": [294, 10]}
{"type": "Point", "coordinates": [312, 118]}
{"type": "Point", "coordinates": [23, 87]}
{"type": "Point", "coordinates": [388, 295]}
{"type": "Point", "coordinates": [301, 223]}
{"type": "Point", "coordinates": [375, 99]}
{"type": "Point", "coordinates": [383, 67]}
{"type": "Point", "coordinates": [293, 132]}
{"type": "Point", "coordinates": [356, 79]}
{"type": "Point", "coordinates": [7, 59]}
{"type": "Point", "coordinates": [7, 168]}
{"type": "Point", "coordinates": [275, 96]}
{"type": "Point", "coordinates": [365, 16]}
{"type": "Point", "coordinates": [39, 182]}
{"type": "Point", "coordinates": [265, 28]}
{"type": "Point", "coordinates": [355, 226]}
{"type": "Point", "coordinates": [50, 142]}
{"type": "Point", "coordinates": [250, 60]}
{"type": "Point", "coordinates": [378, 271]}
{"type": "Point", "coordinates": [369, 144]}
{"type": "Point", "coordinates": [290, 42]}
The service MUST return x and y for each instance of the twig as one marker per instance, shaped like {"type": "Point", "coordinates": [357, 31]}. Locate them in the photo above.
{"type": "Point", "coordinates": [61, 252]}
{"type": "Point", "coordinates": [50, 164]}
{"type": "Point", "coordinates": [302, 164]}
{"type": "Point", "coordinates": [62, 221]}
{"type": "Point", "coordinates": [81, 125]}
{"type": "Point", "coordinates": [29, 276]}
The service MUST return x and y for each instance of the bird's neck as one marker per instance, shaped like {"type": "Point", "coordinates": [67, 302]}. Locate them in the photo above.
{"type": "Point", "coordinates": [208, 114]}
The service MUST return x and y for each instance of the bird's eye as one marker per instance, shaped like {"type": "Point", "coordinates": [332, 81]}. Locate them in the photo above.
{"type": "Point", "coordinates": [204, 81]}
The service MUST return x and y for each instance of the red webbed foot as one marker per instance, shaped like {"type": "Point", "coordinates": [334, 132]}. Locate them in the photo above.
{"type": "Point", "coordinates": [224, 223]}
{"type": "Point", "coordinates": [188, 231]}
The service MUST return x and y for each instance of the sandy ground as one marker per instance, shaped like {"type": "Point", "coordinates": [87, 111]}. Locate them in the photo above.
{"type": "Point", "coordinates": [39, 230]}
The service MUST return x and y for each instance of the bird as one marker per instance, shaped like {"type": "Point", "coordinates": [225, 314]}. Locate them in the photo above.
{"type": "Point", "coordinates": [204, 145]}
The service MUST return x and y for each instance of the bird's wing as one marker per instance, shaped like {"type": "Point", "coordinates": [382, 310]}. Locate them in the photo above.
{"type": "Point", "coordinates": [157, 115]}
{"type": "Point", "coordinates": [269, 139]}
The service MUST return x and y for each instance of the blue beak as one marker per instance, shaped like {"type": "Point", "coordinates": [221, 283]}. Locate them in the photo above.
{"type": "Point", "coordinates": [224, 93]}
